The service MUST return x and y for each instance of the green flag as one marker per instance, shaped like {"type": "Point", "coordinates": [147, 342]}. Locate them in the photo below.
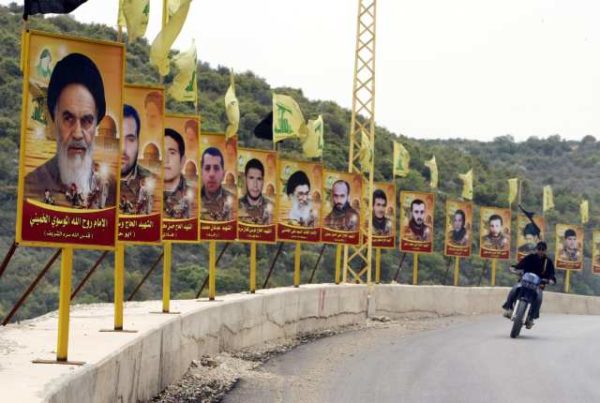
{"type": "Point", "coordinates": [288, 120]}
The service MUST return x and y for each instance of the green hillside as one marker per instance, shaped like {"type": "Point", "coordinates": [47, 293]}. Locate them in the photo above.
{"type": "Point", "coordinates": [571, 167]}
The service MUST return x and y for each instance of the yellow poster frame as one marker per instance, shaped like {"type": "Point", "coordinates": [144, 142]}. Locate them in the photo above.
{"type": "Point", "coordinates": [275, 212]}
{"type": "Point", "coordinates": [320, 226]}
{"type": "Point", "coordinates": [21, 180]}
{"type": "Point", "coordinates": [183, 116]}
{"type": "Point", "coordinates": [162, 167]}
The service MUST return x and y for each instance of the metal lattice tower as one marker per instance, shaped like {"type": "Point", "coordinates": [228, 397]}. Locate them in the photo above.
{"type": "Point", "coordinates": [357, 259]}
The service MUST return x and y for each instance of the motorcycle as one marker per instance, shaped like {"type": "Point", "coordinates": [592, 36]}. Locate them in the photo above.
{"type": "Point", "coordinates": [526, 296]}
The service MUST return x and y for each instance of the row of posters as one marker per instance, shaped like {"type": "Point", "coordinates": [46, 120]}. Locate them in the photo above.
{"type": "Point", "coordinates": [100, 161]}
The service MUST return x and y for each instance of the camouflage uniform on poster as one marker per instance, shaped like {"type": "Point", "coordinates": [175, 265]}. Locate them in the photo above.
{"type": "Point", "coordinates": [217, 208]}
{"type": "Point", "coordinates": [176, 204]}
{"type": "Point", "coordinates": [345, 219]}
{"type": "Point", "coordinates": [260, 214]}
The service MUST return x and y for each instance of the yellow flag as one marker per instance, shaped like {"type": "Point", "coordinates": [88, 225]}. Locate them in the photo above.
{"type": "Point", "coordinates": [288, 120]}
{"type": "Point", "coordinates": [513, 185]}
{"type": "Point", "coordinates": [585, 211]}
{"type": "Point", "coordinates": [467, 192]}
{"type": "Point", "coordinates": [121, 17]}
{"type": "Point", "coordinates": [185, 86]}
{"type": "Point", "coordinates": [433, 169]}
{"type": "Point", "coordinates": [401, 160]}
{"type": "Point", "coordinates": [548, 198]}
{"type": "Point", "coordinates": [366, 152]}
{"type": "Point", "coordinates": [159, 51]}
{"type": "Point", "coordinates": [232, 109]}
{"type": "Point", "coordinates": [313, 145]}
{"type": "Point", "coordinates": [134, 15]}
{"type": "Point", "coordinates": [172, 7]}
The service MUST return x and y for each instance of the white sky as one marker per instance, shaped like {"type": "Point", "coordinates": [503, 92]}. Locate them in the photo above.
{"type": "Point", "coordinates": [473, 69]}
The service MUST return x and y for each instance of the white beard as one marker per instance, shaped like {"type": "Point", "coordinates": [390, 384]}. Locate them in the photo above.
{"type": "Point", "coordinates": [77, 170]}
{"type": "Point", "coordinates": [300, 213]}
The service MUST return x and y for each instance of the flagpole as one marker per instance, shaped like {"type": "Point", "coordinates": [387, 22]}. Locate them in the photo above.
{"type": "Point", "coordinates": [415, 268]}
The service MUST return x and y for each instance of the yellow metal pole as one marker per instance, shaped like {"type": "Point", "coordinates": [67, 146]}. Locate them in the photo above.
{"type": "Point", "coordinates": [567, 281]}
{"type": "Point", "coordinates": [297, 265]}
{"type": "Point", "coordinates": [338, 263]}
{"type": "Point", "coordinates": [494, 264]}
{"type": "Point", "coordinates": [119, 284]}
{"type": "Point", "coordinates": [456, 270]}
{"type": "Point", "coordinates": [212, 270]}
{"type": "Point", "coordinates": [415, 268]}
{"type": "Point", "coordinates": [377, 265]}
{"type": "Point", "coordinates": [166, 277]}
{"type": "Point", "coordinates": [252, 267]}
{"type": "Point", "coordinates": [64, 302]}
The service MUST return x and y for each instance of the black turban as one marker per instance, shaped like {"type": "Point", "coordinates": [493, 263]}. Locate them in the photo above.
{"type": "Point", "coordinates": [77, 69]}
{"type": "Point", "coordinates": [298, 178]}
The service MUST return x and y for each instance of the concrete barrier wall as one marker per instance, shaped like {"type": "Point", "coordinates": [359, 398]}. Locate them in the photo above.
{"type": "Point", "coordinates": [160, 355]}
{"type": "Point", "coordinates": [398, 299]}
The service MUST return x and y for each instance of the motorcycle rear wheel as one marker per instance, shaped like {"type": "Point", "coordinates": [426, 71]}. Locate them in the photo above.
{"type": "Point", "coordinates": [519, 319]}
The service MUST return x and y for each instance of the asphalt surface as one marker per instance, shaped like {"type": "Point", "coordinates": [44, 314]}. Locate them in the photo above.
{"type": "Point", "coordinates": [464, 360]}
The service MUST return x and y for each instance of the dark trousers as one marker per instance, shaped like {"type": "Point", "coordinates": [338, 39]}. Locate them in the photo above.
{"type": "Point", "coordinates": [535, 307]}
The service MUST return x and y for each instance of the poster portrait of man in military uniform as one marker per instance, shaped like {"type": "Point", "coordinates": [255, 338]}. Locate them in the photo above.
{"type": "Point", "coordinates": [569, 246]}
{"type": "Point", "coordinates": [382, 224]}
{"type": "Point", "coordinates": [596, 252]}
{"type": "Point", "coordinates": [178, 193]}
{"type": "Point", "coordinates": [495, 233]}
{"type": "Point", "coordinates": [459, 220]}
{"type": "Point", "coordinates": [254, 207]}
{"type": "Point", "coordinates": [138, 183]}
{"type": "Point", "coordinates": [416, 217]}
{"type": "Point", "coordinates": [342, 216]}
{"type": "Point", "coordinates": [217, 202]}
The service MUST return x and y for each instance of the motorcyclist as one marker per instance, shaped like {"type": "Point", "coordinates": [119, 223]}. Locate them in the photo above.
{"type": "Point", "coordinates": [538, 263]}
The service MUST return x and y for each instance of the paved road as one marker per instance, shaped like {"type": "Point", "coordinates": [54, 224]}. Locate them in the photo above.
{"type": "Point", "coordinates": [468, 360]}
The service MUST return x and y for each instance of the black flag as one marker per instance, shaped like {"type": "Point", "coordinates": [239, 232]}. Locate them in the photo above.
{"type": "Point", "coordinates": [264, 130]}
{"type": "Point", "coordinates": [50, 6]}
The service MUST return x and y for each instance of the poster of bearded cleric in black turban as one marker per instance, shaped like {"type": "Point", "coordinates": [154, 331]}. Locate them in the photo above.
{"type": "Point", "coordinates": [257, 207]}
{"type": "Point", "coordinates": [70, 157]}
{"type": "Point", "coordinates": [341, 208]}
{"type": "Point", "coordinates": [218, 201]}
{"type": "Point", "coordinates": [180, 179]}
{"type": "Point", "coordinates": [300, 193]}
{"type": "Point", "coordinates": [140, 198]}
{"type": "Point", "coordinates": [416, 221]}
{"type": "Point", "coordinates": [384, 214]}
{"type": "Point", "coordinates": [529, 233]}
{"type": "Point", "coordinates": [459, 226]}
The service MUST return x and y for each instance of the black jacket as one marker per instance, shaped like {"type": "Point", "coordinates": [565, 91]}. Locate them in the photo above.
{"type": "Point", "coordinates": [542, 266]}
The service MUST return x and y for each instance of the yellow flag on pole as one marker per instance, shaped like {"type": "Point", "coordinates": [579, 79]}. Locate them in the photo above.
{"type": "Point", "coordinates": [159, 51]}
{"type": "Point", "coordinates": [313, 145]}
{"type": "Point", "coordinates": [134, 15]}
{"type": "Point", "coordinates": [232, 109]}
{"type": "Point", "coordinates": [467, 192]}
{"type": "Point", "coordinates": [513, 186]}
{"type": "Point", "coordinates": [433, 169]}
{"type": "Point", "coordinates": [401, 160]}
{"type": "Point", "coordinates": [185, 85]}
{"type": "Point", "coordinates": [585, 211]}
{"type": "Point", "coordinates": [365, 152]}
{"type": "Point", "coordinates": [548, 198]}
{"type": "Point", "coordinates": [288, 120]}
